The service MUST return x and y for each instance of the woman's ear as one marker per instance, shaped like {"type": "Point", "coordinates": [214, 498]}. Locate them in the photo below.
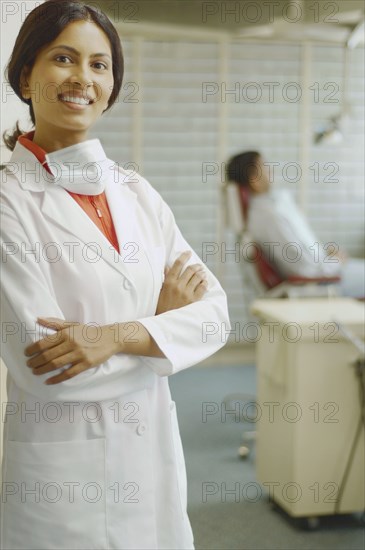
{"type": "Point", "coordinates": [253, 184]}
{"type": "Point", "coordinates": [24, 84]}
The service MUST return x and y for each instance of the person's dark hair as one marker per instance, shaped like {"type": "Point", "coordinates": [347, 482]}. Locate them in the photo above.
{"type": "Point", "coordinates": [243, 167]}
{"type": "Point", "coordinates": [41, 27]}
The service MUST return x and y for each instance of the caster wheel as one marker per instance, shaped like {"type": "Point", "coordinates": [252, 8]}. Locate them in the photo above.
{"type": "Point", "coordinates": [313, 523]}
{"type": "Point", "coordinates": [309, 524]}
{"type": "Point", "coordinates": [243, 451]}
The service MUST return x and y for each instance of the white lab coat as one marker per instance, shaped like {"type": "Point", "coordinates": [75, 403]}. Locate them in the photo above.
{"type": "Point", "coordinates": [277, 224]}
{"type": "Point", "coordinates": [95, 462]}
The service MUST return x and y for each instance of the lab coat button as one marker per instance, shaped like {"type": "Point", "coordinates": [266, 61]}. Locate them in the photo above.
{"type": "Point", "coordinates": [141, 428]}
{"type": "Point", "coordinates": [127, 284]}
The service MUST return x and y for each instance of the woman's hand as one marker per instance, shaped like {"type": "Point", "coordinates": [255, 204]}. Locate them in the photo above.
{"type": "Point", "coordinates": [80, 345]}
{"type": "Point", "coordinates": [180, 289]}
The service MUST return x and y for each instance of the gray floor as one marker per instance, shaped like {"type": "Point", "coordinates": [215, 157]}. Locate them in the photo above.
{"type": "Point", "coordinates": [214, 468]}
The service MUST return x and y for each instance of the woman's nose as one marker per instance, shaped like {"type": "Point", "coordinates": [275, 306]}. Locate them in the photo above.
{"type": "Point", "coordinates": [82, 76]}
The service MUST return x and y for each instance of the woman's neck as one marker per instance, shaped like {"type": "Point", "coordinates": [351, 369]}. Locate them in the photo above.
{"type": "Point", "coordinates": [54, 143]}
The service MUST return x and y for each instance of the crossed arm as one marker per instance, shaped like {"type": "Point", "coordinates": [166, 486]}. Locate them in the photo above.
{"type": "Point", "coordinates": [69, 345]}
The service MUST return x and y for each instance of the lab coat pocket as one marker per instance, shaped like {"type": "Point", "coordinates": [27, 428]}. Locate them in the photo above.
{"type": "Point", "coordinates": [54, 495]}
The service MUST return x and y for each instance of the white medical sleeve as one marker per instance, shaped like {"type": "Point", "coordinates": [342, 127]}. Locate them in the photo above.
{"type": "Point", "coordinates": [191, 333]}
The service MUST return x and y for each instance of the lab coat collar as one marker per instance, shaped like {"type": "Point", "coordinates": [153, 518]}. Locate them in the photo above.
{"type": "Point", "coordinates": [30, 173]}
{"type": "Point", "coordinates": [27, 169]}
{"type": "Point", "coordinates": [60, 208]}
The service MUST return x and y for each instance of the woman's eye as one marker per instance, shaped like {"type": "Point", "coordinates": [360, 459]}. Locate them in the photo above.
{"type": "Point", "coordinates": [61, 57]}
{"type": "Point", "coordinates": [102, 64]}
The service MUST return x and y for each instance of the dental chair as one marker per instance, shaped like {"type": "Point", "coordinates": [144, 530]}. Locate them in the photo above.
{"type": "Point", "coordinates": [259, 273]}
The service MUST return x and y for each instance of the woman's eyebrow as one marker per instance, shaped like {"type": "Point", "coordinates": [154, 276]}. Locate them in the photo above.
{"type": "Point", "coordinates": [64, 47]}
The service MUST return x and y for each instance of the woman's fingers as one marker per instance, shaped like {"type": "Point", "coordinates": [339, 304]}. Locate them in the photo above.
{"type": "Point", "coordinates": [181, 286]}
{"type": "Point", "coordinates": [200, 290]}
{"type": "Point", "coordinates": [55, 322]}
{"type": "Point", "coordinates": [72, 371]}
{"type": "Point", "coordinates": [48, 355]}
{"type": "Point", "coordinates": [57, 363]}
{"type": "Point", "coordinates": [53, 340]}
{"type": "Point", "coordinates": [198, 277]}
{"type": "Point", "coordinates": [45, 343]}
{"type": "Point", "coordinates": [178, 264]}
{"type": "Point", "coordinates": [176, 273]}
{"type": "Point", "coordinates": [190, 272]}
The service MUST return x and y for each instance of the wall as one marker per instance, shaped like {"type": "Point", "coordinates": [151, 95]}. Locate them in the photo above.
{"type": "Point", "coordinates": [13, 13]}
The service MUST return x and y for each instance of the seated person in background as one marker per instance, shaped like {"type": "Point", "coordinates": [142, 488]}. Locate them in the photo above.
{"type": "Point", "coordinates": [283, 233]}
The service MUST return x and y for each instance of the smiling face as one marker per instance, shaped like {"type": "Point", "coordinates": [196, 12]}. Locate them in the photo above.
{"type": "Point", "coordinates": [69, 69]}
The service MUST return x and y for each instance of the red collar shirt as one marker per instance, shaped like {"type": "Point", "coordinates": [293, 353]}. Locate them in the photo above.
{"type": "Point", "coordinates": [95, 206]}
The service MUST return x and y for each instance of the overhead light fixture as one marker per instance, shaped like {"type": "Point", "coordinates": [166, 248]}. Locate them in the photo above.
{"type": "Point", "coordinates": [357, 36]}
{"type": "Point", "coordinates": [331, 134]}
{"type": "Point", "coordinates": [334, 131]}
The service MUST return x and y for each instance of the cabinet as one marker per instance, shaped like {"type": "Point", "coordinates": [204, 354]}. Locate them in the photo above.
{"type": "Point", "coordinates": [308, 405]}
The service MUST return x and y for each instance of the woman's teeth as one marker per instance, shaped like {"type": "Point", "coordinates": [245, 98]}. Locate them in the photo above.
{"type": "Point", "coordinates": [79, 100]}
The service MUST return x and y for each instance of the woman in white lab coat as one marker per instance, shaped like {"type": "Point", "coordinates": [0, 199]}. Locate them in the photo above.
{"type": "Point", "coordinates": [92, 460]}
